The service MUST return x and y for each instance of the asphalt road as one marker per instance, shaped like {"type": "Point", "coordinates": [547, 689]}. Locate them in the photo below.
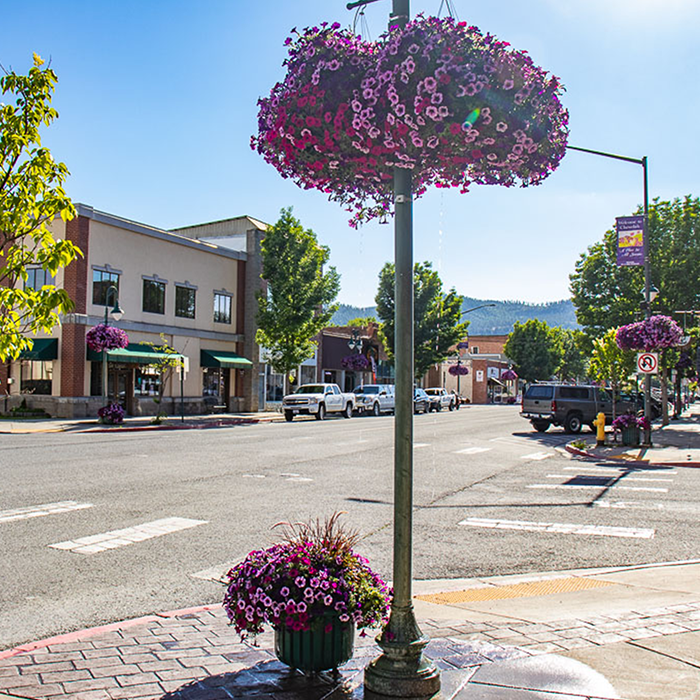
{"type": "Point", "coordinates": [484, 484]}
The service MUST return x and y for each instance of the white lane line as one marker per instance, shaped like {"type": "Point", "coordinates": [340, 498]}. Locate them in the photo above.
{"type": "Point", "coordinates": [472, 450]}
{"type": "Point", "coordinates": [634, 505]}
{"type": "Point", "coordinates": [596, 486]}
{"type": "Point", "coordinates": [253, 476]}
{"type": "Point", "coordinates": [127, 535]}
{"type": "Point", "coordinates": [620, 470]}
{"type": "Point", "coordinates": [416, 445]}
{"type": "Point", "coordinates": [298, 478]}
{"type": "Point", "coordinates": [41, 510]}
{"type": "Point", "coordinates": [562, 528]}
{"type": "Point", "coordinates": [538, 455]}
{"type": "Point", "coordinates": [612, 476]}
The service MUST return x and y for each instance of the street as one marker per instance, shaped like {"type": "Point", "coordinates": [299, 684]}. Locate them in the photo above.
{"type": "Point", "coordinates": [99, 527]}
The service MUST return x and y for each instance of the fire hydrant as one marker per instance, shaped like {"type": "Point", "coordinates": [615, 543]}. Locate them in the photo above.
{"type": "Point", "coordinates": [599, 423]}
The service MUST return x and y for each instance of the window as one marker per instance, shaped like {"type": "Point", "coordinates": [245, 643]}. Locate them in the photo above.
{"type": "Point", "coordinates": [101, 281]}
{"type": "Point", "coordinates": [37, 278]}
{"type": "Point", "coordinates": [35, 377]}
{"type": "Point", "coordinates": [154, 296]}
{"type": "Point", "coordinates": [222, 308]}
{"type": "Point", "coordinates": [579, 393]}
{"type": "Point", "coordinates": [474, 349]}
{"type": "Point", "coordinates": [539, 392]}
{"type": "Point", "coordinates": [185, 301]}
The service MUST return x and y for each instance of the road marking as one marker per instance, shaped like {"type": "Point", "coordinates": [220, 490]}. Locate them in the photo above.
{"type": "Point", "coordinates": [416, 445]}
{"type": "Point", "coordinates": [127, 535]}
{"type": "Point", "coordinates": [596, 486]}
{"type": "Point", "coordinates": [298, 478]}
{"type": "Point", "coordinates": [538, 455]}
{"type": "Point", "coordinates": [289, 474]}
{"type": "Point", "coordinates": [612, 476]}
{"type": "Point", "coordinates": [41, 510]}
{"type": "Point", "coordinates": [635, 505]}
{"type": "Point", "coordinates": [620, 470]}
{"type": "Point", "coordinates": [562, 528]}
{"type": "Point", "coordinates": [253, 476]}
{"type": "Point", "coordinates": [472, 450]}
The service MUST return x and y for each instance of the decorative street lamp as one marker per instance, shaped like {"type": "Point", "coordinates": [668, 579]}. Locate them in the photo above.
{"type": "Point", "coordinates": [355, 342]}
{"type": "Point", "coordinates": [116, 313]}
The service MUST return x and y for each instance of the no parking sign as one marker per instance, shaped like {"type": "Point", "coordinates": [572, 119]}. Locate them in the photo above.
{"type": "Point", "coordinates": [647, 362]}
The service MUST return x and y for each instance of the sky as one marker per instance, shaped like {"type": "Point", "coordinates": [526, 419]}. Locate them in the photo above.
{"type": "Point", "coordinates": [157, 102]}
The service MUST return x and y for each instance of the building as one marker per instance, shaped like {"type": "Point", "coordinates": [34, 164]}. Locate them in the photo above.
{"type": "Point", "coordinates": [193, 288]}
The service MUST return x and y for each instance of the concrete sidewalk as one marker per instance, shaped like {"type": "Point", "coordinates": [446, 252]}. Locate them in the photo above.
{"type": "Point", "coordinates": [630, 633]}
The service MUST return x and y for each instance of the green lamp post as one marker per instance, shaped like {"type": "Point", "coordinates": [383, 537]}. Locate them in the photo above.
{"type": "Point", "coordinates": [116, 313]}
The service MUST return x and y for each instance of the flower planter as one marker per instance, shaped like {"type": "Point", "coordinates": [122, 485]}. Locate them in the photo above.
{"type": "Point", "coordinates": [316, 649]}
{"type": "Point", "coordinates": [630, 436]}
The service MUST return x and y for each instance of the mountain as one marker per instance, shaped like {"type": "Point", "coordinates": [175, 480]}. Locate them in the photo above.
{"type": "Point", "coordinates": [488, 320]}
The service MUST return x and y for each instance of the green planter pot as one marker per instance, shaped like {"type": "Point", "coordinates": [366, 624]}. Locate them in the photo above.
{"type": "Point", "coordinates": [315, 649]}
{"type": "Point", "coordinates": [630, 436]}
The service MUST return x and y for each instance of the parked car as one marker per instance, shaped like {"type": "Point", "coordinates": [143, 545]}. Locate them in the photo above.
{"type": "Point", "coordinates": [317, 400]}
{"type": "Point", "coordinates": [440, 398]}
{"type": "Point", "coordinates": [421, 401]}
{"type": "Point", "coordinates": [374, 398]}
{"type": "Point", "coordinates": [569, 406]}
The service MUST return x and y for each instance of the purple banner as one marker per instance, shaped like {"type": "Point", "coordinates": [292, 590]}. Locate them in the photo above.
{"type": "Point", "coordinates": [630, 240]}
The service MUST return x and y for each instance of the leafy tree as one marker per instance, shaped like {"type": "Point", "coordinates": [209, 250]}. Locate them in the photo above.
{"type": "Point", "coordinates": [31, 196]}
{"type": "Point", "coordinates": [607, 296]}
{"type": "Point", "coordinates": [361, 322]}
{"type": "Point", "coordinates": [572, 366]}
{"type": "Point", "coordinates": [300, 295]}
{"type": "Point", "coordinates": [610, 364]}
{"type": "Point", "coordinates": [535, 349]}
{"type": "Point", "coordinates": [165, 366]}
{"type": "Point", "coordinates": [436, 315]}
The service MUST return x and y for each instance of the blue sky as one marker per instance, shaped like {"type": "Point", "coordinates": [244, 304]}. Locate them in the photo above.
{"type": "Point", "coordinates": [157, 103]}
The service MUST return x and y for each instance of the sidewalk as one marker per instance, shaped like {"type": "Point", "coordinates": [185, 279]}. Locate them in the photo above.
{"type": "Point", "coordinates": [630, 633]}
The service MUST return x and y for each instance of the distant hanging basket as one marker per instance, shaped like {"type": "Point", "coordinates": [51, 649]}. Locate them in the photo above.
{"type": "Point", "coordinates": [509, 375]}
{"type": "Point", "coordinates": [355, 362]}
{"type": "Point", "coordinates": [458, 370]}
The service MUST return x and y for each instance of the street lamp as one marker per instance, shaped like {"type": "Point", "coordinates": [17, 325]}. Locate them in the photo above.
{"type": "Point", "coordinates": [481, 306]}
{"type": "Point", "coordinates": [117, 313]}
{"type": "Point", "coordinates": [355, 342]}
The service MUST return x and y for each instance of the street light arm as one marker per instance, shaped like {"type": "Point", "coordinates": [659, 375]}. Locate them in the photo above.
{"type": "Point", "coordinates": [481, 306]}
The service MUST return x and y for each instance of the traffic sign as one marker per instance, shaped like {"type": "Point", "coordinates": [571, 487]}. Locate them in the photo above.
{"type": "Point", "coordinates": [648, 362]}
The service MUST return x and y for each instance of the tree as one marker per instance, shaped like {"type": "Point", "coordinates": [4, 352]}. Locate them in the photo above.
{"type": "Point", "coordinates": [361, 322]}
{"type": "Point", "coordinates": [436, 315]}
{"type": "Point", "coordinates": [607, 296]}
{"type": "Point", "coordinates": [31, 196]}
{"type": "Point", "coordinates": [165, 366]}
{"type": "Point", "coordinates": [610, 364]}
{"type": "Point", "coordinates": [572, 366]}
{"type": "Point", "coordinates": [300, 295]}
{"type": "Point", "coordinates": [535, 349]}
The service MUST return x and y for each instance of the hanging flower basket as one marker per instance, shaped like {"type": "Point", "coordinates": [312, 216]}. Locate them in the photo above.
{"type": "Point", "coordinates": [651, 334]}
{"type": "Point", "coordinates": [509, 375]}
{"type": "Point", "coordinates": [102, 337]}
{"type": "Point", "coordinates": [458, 370]}
{"type": "Point", "coordinates": [436, 97]}
{"type": "Point", "coordinates": [356, 362]}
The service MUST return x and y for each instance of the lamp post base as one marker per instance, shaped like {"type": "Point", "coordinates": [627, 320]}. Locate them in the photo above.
{"type": "Point", "coordinates": [402, 671]}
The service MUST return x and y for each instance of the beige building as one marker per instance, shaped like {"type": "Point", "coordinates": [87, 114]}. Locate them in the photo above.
{"type": "Point", "coordinates": [193, 287]}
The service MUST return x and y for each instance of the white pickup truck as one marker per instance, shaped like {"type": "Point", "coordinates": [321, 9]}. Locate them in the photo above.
{"type": "Point", "coordinates": [317, 400]}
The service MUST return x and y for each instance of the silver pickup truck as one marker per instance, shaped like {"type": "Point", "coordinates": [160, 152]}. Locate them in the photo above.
{"type": "Point", "coordinates": [317, 400]}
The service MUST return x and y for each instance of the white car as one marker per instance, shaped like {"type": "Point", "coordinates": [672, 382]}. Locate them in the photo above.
{"type": "Point", "coordinates": [317, 400]}
{"type": "Point", "coordinates": [374, 398]}
{"type": "Point", "coordinates": [441, 398]}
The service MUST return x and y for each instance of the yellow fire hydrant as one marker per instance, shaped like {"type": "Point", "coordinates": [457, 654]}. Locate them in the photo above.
{"type": "Point", "coordinates": [599, 423]}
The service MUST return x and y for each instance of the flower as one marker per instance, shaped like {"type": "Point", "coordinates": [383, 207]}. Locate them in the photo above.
{"type": "Point", "coordinates": [104, 337]}
{"type": "Point", "coordinates": [651, 334]}
{"type": "Point", "coordinates": [428, 78]}
{"type": "Point", "coordinates": [629, 420]}
{"type": "Point", "coordinates": [112, 414]}
{"type": "Point", "coordinates": [269, 585]}
{"type": "Point", "coordinates": [356, 362]}
{"type": "Point", "coordinates": [508, 374]}
{"type": "Point", "coordinates": [457, 370]}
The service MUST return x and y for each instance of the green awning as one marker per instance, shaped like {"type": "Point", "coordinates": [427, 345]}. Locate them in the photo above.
{"type": "Point", "coordinates": [222, 358]}
{"type": "Point", "coordinates": [43, 349]}
{"type": "Point", "coordinates": [133, 353]}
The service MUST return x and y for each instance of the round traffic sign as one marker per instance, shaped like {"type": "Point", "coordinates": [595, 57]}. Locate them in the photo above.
{"type": "Point", "coordinates": [647, 362]}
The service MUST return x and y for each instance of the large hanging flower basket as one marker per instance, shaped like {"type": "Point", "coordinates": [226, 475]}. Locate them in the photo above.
{"type": "Point", "coordinates": [436, 97]}
{"type": "Point", "coordinates": [103, 337]}
{"type": "Point", "coordinates": [651, 334]}
{"type": "Point", "coordinates": [458, 370]}
{"type": "Point", "coordinates": [356, 362]}
{"type": "Point", "coordinates": [509, 375]}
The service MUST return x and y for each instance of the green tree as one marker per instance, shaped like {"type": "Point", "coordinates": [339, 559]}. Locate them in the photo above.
{"type": "Point", "coordinates": [535, 349]}
{"type": "Point", "coordinates": [361, 322]}
{"type": "Point", "coordinates": [299, 299]}
{"type": "Point", "coordinates": [436, 315]}
{"type": "Point", "coordinates": [610, 364]}
{"type": "Point", "coordinates": [31, 196]}
{"type": "Point", "coordinates": [573, 364]}
{"type": "Point", "coordinates": [607, 296]}
{"type": "Point", "coordinates": [165, 366]}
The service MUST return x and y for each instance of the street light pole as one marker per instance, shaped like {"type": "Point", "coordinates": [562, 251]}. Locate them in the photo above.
{"type": "Point", "coordinates": [647, 269]}
{"type": "Point", "coordinates": [117, 314]}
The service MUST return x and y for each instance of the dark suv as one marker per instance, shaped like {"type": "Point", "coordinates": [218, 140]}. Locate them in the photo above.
{"type": "Point", "coordinates": [569, 406]}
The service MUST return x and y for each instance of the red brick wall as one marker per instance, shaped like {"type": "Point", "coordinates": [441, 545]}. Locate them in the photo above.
{"type": "Point", "coordinates": [488, 344]}
{"type": "Point", "coordinates": [76, 279]}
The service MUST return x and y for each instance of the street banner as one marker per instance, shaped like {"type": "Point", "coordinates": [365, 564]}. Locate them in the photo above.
{"type": "Point", "coordinates": [630, 240]}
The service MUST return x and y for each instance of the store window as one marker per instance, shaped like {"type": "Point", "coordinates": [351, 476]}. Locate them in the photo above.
{"type": "Point", "coordinates": [101, 281]}
{"type": "Point", "coordinates": [147, 382]}
{"type": "Point", "coordinates": [37, 277]}
{"type": "Point", "coordinates": [35, 377]}
{"type": "Point", "coordinates": [275, 386]}
{"type": "Point", "coordinates": [222, 308]}
{"type": "Point", "coordinates": [185, 299]}
{"type": "Point", "coordinates": [154, 296]}
{"type": "Point", "coordinates": [308, 374]}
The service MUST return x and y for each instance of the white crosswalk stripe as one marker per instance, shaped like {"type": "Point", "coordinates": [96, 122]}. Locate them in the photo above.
{"type": "Point", "coordinates": [41, 510]}
{"type": "Point", "coordinates": [561, 528]}
{"type": "Point", "coordinates": [624, 478]}
{"type": "Point", "coordinates": [596, 486]}
{"type": "Point", "coordinates": [128, 535]}
{"type": "Point", "coordinates": [472, 450]}
{"type": "Point", "coordinates": [538, 455]}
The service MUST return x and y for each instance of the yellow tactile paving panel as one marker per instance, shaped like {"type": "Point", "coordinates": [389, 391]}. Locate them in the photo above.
{"type": "Point", "coordinates": [518, 590]}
